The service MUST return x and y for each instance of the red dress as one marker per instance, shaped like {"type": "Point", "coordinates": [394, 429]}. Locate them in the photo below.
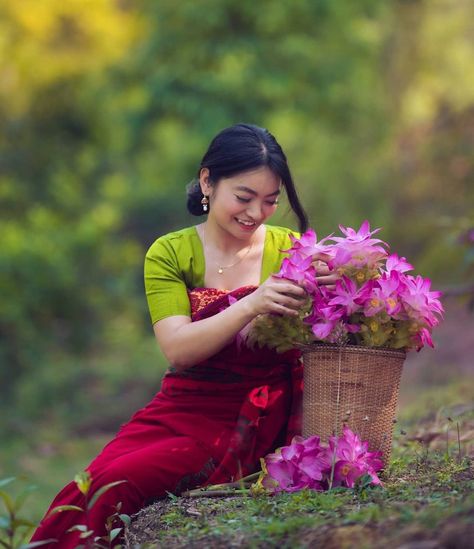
{"type": "Point", "coordinates": [209, 424]}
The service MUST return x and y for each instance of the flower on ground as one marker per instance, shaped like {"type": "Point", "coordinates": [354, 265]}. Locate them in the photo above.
{"type": "Point", "coordinates": [307, 463]}
{"type": "Point", "coordinates": [353, 460]}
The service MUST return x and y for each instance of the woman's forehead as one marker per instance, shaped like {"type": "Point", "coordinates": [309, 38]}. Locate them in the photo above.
{"type": "Point", "coordinates": [258, 180]}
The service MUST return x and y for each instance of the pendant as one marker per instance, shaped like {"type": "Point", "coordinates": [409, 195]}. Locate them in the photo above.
{"type": "Point", "coordinates": [220, 270]}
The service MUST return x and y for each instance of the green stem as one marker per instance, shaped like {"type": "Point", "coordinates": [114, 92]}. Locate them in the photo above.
{"type": "Point", "coordinates": [253, 476]}
{"type": "Point", "coordinates": [89, 540]}
{"type": "Point", "coordinates": [333, 467]}
{"type": "Point", "coordinates": [248, 480]}
{"type": "Point", "coordinates": [11, 531]}
{"type": "Point", "coordinates": [213, 493]}
{"type": "Point", "coordinates": [459, 441]}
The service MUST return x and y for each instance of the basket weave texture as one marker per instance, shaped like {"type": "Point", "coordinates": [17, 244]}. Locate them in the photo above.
{"type": "Point", "coordinates": [353, 386]}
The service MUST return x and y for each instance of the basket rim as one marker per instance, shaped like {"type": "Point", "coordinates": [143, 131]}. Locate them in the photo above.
{"type": "Point", "coordinates": [351, 349]}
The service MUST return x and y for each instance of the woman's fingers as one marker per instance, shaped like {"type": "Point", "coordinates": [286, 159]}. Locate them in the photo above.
{"type": "Point", "coordinates": [280, 308]}
{"type": "Point", "coordinates": [284, 296]}
{"type": "Point", "coordinates": [327, 279]}
{"type": "Point", "coordinates": [290, 302]}
{"type": "Point", "coordinates": [286, 287]}
{"type": "Point", "coordinates": [321, 256]}
{"type": "Point", "coordinates": [324, 275]}
{"type": "Point", "coordinates": [322, 268]}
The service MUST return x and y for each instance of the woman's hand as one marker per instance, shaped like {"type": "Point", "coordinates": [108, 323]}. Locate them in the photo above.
{"type": "Point", "coordinates": [324, 276]}
{"type": "Point", "coordinates": [277, 295]}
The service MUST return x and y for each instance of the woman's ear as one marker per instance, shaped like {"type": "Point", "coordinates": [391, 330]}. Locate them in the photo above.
{"type": "Point", "coordinates": [204, 181]}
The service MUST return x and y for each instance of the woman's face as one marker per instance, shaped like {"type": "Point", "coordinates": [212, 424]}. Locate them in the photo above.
{"type": "Point", "coordinates": [241, 203]}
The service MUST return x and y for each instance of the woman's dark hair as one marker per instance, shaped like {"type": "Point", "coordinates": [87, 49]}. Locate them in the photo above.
{"type": "Point", "coordinates": [241, 148]}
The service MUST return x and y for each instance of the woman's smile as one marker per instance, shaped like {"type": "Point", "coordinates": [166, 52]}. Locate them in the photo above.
{"type": "Point", "coordinates": [245, 224]}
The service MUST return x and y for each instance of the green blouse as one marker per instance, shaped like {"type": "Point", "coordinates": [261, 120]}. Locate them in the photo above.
{"type": "Point", "coordinates": [175, 263]}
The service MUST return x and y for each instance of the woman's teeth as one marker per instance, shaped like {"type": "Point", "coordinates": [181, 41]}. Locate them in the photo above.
{"type": "Point", "coordinates": [246, 223]}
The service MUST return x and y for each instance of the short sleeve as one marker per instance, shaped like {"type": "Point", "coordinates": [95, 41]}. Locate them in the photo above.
{"type": "Point", "coordinates": [165, 287]}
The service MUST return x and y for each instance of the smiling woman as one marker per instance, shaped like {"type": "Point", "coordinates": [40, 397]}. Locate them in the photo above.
{"type": "Point", "coordinates": [222, 405]}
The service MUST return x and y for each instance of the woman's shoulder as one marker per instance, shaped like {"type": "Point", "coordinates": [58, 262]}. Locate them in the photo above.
{"type": "Point", "coordinates": [173, 241]}
{"type": "Point", "coordinates": [281, 234]}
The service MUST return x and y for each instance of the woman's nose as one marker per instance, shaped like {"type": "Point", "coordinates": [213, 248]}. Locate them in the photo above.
{"type": "Point", "coordinates": [255, 211]}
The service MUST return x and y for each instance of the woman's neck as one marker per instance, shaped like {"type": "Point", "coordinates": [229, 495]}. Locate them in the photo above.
{"type": "Point", "coordinates": [224, 242]}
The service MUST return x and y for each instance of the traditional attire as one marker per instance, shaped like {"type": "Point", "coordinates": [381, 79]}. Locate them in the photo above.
{"type": "Point", "coordinates": [210, 423]}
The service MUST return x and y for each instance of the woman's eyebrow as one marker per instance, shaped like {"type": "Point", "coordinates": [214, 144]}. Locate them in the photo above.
{"type": "Point", "coordinates": [251, 191]}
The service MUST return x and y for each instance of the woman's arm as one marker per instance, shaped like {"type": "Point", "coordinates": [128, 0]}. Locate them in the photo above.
{"type": "Point", "coordinates": [186, 343]}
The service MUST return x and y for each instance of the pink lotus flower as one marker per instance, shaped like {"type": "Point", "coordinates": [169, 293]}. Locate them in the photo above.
{"type": "Point", "coordinates": [352, 459]}
{"type": "Point", "coordinates": [364, 233]}
{"type": "Point", "coordinates": [299, 269]}
{"type": "Point", "coordinates": [420, 303]}
{"type": "Point", "coordinates": [383, 295]}
{"type": "Point", "coordinates": [357, 249]}
{"type": "Point", "coordinates": [308, 245]}
{"type": "Point", "coordinates": [295, 467]}
{"type": "Point", "coordinates": [400, 264]}
{"type": "Point", "coordinates": [323, 321]}
{"type": "Point", "coordinates": [349, 296]}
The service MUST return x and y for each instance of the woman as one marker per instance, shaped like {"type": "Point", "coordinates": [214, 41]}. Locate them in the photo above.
{"type": "Point", "coordinates": [222, 406]}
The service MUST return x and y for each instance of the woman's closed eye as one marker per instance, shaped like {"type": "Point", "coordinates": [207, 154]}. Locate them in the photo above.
{"type": "Point", "coordinates": [242, 199]}
{"type": "Point", "coordinates": [247, 200]}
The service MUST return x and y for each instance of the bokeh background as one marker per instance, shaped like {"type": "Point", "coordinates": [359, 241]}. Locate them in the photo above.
{"type": "Point", "coordinates": [106, 108]}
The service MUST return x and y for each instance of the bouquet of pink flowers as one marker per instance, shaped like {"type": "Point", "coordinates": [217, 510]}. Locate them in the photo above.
{"type": "Point", "coordinates": [375, 303]}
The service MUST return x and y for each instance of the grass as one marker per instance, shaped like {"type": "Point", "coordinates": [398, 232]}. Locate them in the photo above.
{"type": "Point", "coordinates": [428, 496]}
{"type": "Point", "coordinates": [47, 462]}
{"type": "Point", "coordinates": [424, 498]}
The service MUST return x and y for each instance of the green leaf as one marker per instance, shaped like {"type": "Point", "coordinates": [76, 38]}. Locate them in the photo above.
{"type": "Point", "coordinates": [61, 508]}
{"type": "Point", "coordinates": [22, 522]}
{"type": "Point", "coordinates": [5, 481]}
{"type": "Point", "coordinates": [20, 499]}
{"type": "Point", "coordinates": [114, 533]}
{"type": "Point", "coordinates": [87, 534]}
{"type": "Point", "coordinates": [362, 483]}
{"type": "Point", "coordinates": [101, 491]}
{"type": "Point", "coordinates": [125, 519]}
{"type": "Point", "coordinates": [37, 543]}
{"type": "Point", "coordinates": [78, 528]}
{"type": "Point", "coordinates": [83, 481]}
{"type": "Point", "coordinates": [8, 501]}
{"type": "Point", "coordinates": [5, 522]}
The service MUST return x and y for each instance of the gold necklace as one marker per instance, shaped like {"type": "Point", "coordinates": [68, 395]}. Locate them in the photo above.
{"type": "Point", "coordinates": [220, 268]}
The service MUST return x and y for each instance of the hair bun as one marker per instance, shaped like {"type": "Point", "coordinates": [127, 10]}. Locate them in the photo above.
{"type": "Point", "coordinates": [195, 195]}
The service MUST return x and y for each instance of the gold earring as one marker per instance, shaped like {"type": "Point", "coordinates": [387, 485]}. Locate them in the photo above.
{"type": "Point", "coordinates": [204, 202]}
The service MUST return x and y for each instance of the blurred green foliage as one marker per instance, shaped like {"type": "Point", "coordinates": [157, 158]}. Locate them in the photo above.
{"type": "Point", "coordinates": [106, 112]}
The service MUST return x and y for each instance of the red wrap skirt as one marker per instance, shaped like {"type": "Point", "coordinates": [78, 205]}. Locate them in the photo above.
{"type": "Point", "coordinates": [209, 424]}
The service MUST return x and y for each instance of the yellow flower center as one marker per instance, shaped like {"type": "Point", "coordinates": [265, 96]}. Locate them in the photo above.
{"type": "Point", "coordinates": [391, 302]}
{"type": "Point", "coordinates": [360, 276]}
{"type": "Point", "coordinates": [345, 470]}
{"type": "Point", "coordinates": [375, 302]}
{"type": "Point", "coordinates": [374, 326]}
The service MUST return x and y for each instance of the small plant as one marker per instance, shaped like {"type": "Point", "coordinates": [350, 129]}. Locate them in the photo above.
{"type": "Point", "coordinates": [83, 482]}
{"type": "Point", "coordinates": [14, 528]}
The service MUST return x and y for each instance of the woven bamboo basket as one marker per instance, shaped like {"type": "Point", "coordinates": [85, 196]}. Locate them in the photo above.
{"type": "Point", "coordinates": [353, 386]}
